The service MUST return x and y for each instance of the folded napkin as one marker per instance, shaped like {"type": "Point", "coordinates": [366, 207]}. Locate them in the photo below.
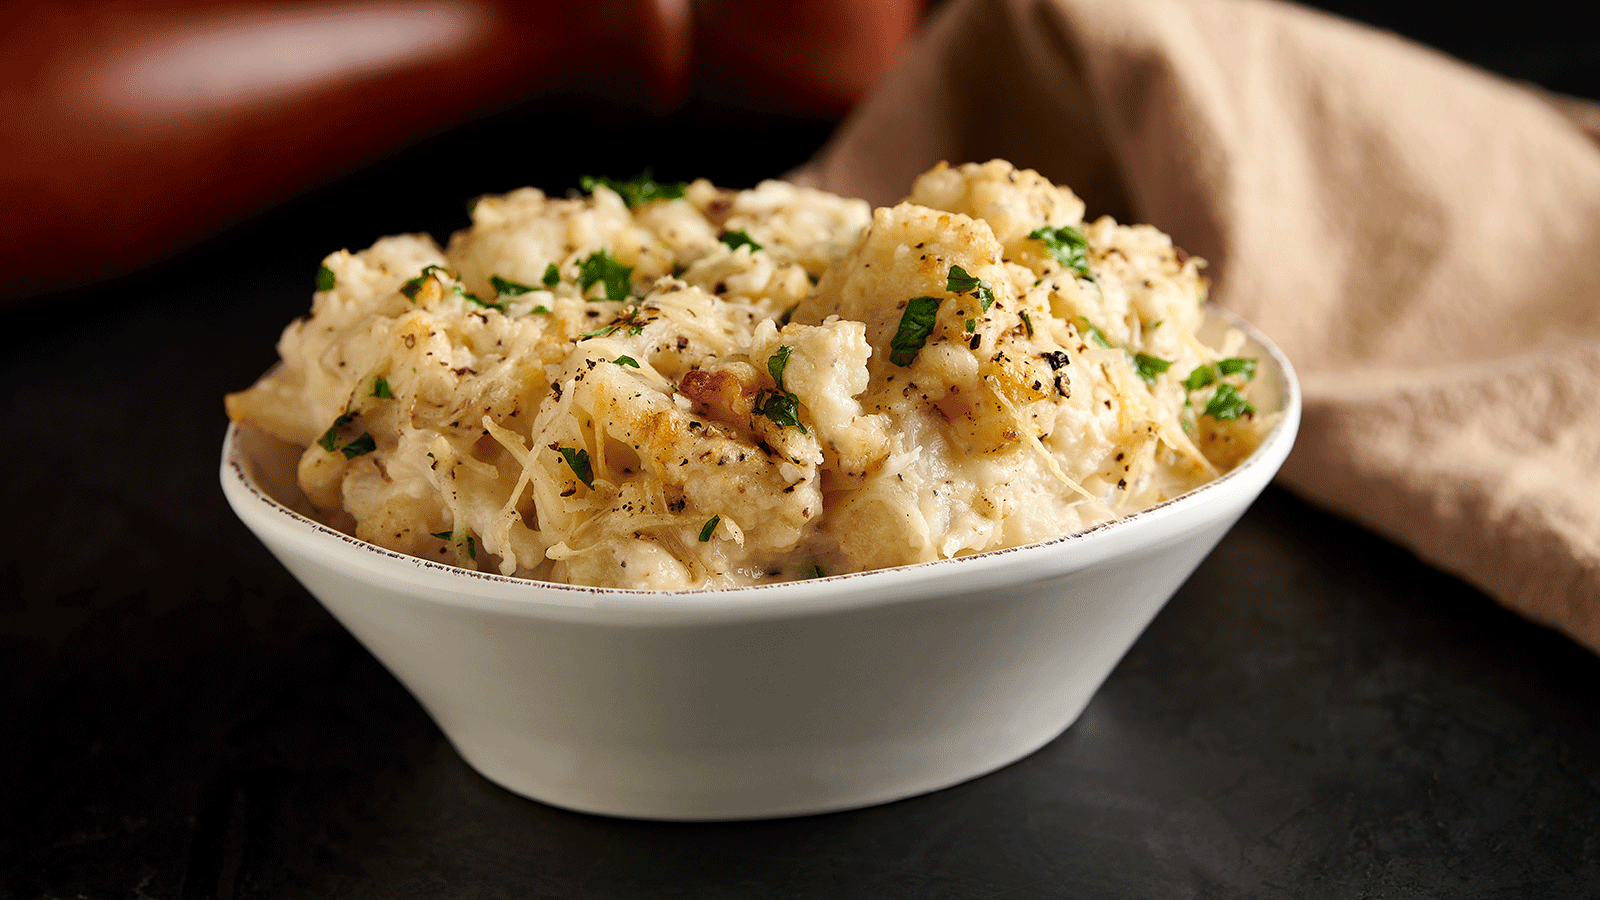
{"type": "Point", "coordinates": [1421, 238]}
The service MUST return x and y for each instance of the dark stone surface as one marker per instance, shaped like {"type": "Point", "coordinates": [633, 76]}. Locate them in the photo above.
{"type": "Point", "coordinates": [1315, 714]}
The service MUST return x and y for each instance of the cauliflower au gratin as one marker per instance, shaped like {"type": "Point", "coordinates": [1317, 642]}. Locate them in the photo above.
{"type": "Point", "coordinates": [677, 386]}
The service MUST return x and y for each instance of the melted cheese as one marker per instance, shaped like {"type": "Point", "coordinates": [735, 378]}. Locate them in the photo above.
{"type": "Point", "coordinates": [549, 432]}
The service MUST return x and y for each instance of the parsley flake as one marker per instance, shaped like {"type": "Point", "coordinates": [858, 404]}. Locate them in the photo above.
{"type": "Point", "coordinates": [777, 362]}
{"type": "Point", "coordinates": [1201, 377]}
{"type": "Point", "coordinates": [1227, 403]}
{"type": "Point", "coordinates": [1150, 366]}
{"type": "Point", "coordinates": [478, 300]}
{"type": "Point", "coordinates": [626, 361]}
{"type": "Point", "coordinates": [781, 407]}
{"type": "Point", "coordinates": [1067, 245]}
{"type": "Point", "coordinates": [413, 286]}
{"type": "Point", "coordinates": [708, 529]}
{"type": "Point", "coordinates": [330, 438]}
{"type": "Point", "coordinates": [1210, 373]}
{"type": "Point", "coordinates": [380, 388]}
{"type": "Point", "coordinates": [325, 279]}
{"type": "Point", "coordinates": [642, 188]}
{"type": "Point", "coordinates": [916, 323]}
{"type": "Point", "coordinates": [1233, 365]}
{"type": "Point", "coordinates": [737, 239]}
{"type": "Point", "coordinates": [603, 331]}
{"type": "Point", "coordinates": [472, 545]}
{"type": "Point", "coordinates": [578, 461]}
{"type": "Point", "coordinates": [504, 287]}
{"type": "Point", "coordinates": [959, 282]}
{"type": "Point", "coordinates": [359, 447]}
{"type": "Point", "coordinates": [601, 267]}
{"type": "Point", "coordinates": [1095, 334]}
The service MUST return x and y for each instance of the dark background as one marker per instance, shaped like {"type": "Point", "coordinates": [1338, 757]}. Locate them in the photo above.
{"type": "Point", "coordinates": [1315, 714]}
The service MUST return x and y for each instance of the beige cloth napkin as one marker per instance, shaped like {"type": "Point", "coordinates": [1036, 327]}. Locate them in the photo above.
{"type": "Point", "coordinates": [1422, 239]}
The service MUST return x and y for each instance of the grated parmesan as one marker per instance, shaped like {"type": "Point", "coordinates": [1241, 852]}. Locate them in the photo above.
{"type": "Point", "coordinates": [494, 404]}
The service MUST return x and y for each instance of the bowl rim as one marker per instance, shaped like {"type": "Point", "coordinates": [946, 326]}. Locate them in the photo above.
{"type": "Point", "coordinates": [263, 514]}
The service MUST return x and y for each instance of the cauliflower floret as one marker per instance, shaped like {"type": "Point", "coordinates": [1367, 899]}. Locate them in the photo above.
{"type": "Point", "coordinates": [1014, 202]}
{"type": "Point", "coordinates": [717, 387]}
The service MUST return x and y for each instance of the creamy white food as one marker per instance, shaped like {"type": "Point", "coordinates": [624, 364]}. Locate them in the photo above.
{"type": "Point", "coordinates": [734, 387]}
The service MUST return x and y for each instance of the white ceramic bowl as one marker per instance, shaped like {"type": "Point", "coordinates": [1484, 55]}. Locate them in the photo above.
{"type": "Point", "coordinates": [765, 701]}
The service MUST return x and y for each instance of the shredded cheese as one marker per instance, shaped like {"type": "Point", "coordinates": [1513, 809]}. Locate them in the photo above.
{"type": "Point", "coordinates": [618, 400]}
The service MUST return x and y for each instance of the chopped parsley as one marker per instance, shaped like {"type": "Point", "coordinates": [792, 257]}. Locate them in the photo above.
{"type": "Point", "coordinates": [1202, 376]}
{"type": "Point", "coordinates": [959, 282]}
{"type": "Point", "coordinates": [784, 319]}
{"type": "Point", "coordinates": [506, 288]}
{"type": "Point", "coordinates": [1067, 245]}
{"type": "Point", "coordinates": [472, 545]}
{"type": "Point", "coordinates": [737, 239]}
{"type": "Point", "coordinates": [708, 529]}
{"type": "Point", "coordinates": [1026, 323]}
{"type": "Point", "coordinates": [1228, 403]}
{"type": "Point", "coordinates": [781, 407]}
{"type": "Point", "coordinates": [325, 279]}
{"type": "Point", "coordinates": [642, 188]}
{"type": "Point", "coordinates": [380, 388]}
{"type": "Point", "coordinates": [1150, 366]}
{"type": "Point", "coordinates": [629, 317]}
{"type": "Point", "coordinates": [1211, 373]}
{"type": "Point", "coordinates": [626, 361]}
{"type": "Point", "coordinates": [916, 323]}
{"type": "Point", "coordinates": [601, 267]}
{"type": "Point", "coordinates": [578, 461]}
{"type": "Point", "coordinates": [413, 286]}
{"type": "Point", "coordinates": [1095, 334]}
{"type": "Point", "coordinates": [330, 438]}
{"type": "Point", "coordinates": [552, 275]}
{"type": "Point", "coordinates": [359, 447]}
{"type": "Point", "coordinates": [478, 300]}
{"type": "Point", "coordinates": [1234, 365]}
{"type": "Point", "coordinates": [777, 362]}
